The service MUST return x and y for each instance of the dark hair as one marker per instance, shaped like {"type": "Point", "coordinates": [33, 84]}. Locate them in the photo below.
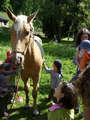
{"type": "Point", "coordinates": [83, 85]}
{"type": "Point", "coordinates": [80, 33]}
{"type": "Point", "coordinates": [70, 96]}
{"type": "Point", "coordinates": [58, 64]}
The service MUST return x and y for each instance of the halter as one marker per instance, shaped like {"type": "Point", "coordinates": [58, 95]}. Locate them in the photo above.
{"type": "Point", "coordinates": [26, 46]}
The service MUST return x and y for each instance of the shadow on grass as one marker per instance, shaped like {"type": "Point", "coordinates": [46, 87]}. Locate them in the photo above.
{"type": "Point", "coordinates": [20, 88]}
{"type": "Point", "coordinates": [44, 89]}
{"type": "Point", "coordinates": [23, 113]}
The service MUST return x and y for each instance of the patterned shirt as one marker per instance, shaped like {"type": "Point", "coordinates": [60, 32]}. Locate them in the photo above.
{"type": "Point", "coordinates": [55, 77]}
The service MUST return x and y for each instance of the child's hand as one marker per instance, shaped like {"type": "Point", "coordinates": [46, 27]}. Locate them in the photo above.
{"type": "Point", "coordinates": [52, 103]}
{"type": "Point", "coordinates": [44, 62]}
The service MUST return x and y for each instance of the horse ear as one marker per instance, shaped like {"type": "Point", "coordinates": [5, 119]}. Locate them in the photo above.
{"type": "Point", "coordinates": [31, 17]}
{"type": "Point", "coordinates": [11, 15]}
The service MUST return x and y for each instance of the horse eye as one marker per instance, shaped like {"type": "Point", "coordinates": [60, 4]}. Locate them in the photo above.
{"type": "Point", "coordinates": [26, 32]}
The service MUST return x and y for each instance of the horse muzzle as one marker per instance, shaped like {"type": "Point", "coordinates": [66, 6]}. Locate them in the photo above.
{"type": "Point", "coordinates": [19, 58]}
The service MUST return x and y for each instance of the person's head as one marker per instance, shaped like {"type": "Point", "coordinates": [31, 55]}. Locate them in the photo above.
{"type": "Point", "coordinates": [2, 68]}
{"type": "Point", "coordinates": [82, 84]}
{"type": "Point", "coordinates": [83, 34]}
{"type": "Point", "coordinates": [66, 94]}
{"type": "Point", "coordinates": [57, 66]}
{"type": "Point", "coordinates": [85, 45]}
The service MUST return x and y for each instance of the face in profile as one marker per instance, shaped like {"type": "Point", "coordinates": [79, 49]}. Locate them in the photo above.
{"type": "Point", "coordinates": [55, 68]}
{"type": "Point", "coordinates": [84, 37]}
{"type": "Point", "coordinates": [58, 92]}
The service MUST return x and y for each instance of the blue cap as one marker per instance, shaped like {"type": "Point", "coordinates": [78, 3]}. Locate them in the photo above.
{"type": "Point", "coordinates": [85, 44]}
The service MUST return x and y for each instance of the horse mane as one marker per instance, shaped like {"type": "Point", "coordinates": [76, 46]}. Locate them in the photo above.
{"type": "Point", "coordinates": [20, 22]}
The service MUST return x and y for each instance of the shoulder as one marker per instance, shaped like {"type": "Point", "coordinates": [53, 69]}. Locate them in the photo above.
{"type": "Point", "coordinates": [58, 75]}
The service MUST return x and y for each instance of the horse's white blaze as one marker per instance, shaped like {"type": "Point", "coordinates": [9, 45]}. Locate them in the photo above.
{"type": "Point", "coordinates": [18, 27]}
{"type": "Point", "coordinates": [20, 22]}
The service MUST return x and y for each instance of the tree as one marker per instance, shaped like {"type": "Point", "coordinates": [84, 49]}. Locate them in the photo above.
{"type": "Point", "coordinates": [57, 18]}
{"type": "Point", "coordinates": [4, 4]}
{"type": "Point", "coordinates": [61, 18]}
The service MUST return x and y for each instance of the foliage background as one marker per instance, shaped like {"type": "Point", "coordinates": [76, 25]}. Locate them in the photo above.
{"type": "Point", "coordinates": [56, 18]}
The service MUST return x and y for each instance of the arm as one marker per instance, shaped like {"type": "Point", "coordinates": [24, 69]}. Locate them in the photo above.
{"type": "Point", "coordinates": [46, 68]}
{"type": "Point", "coordinates": [10, 72]}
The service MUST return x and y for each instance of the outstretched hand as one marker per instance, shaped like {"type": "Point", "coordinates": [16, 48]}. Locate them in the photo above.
{"type": "Point", "coordinates": [43, 62]}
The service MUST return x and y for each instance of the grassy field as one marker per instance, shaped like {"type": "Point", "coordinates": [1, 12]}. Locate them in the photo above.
{"type": "Point", "coordinates": [64, 52]}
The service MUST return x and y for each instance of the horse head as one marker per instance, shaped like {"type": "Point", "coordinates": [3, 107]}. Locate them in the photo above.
{"type": "Point", "coordinates": [21, 34]}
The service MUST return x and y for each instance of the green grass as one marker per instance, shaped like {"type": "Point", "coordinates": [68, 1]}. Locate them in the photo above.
{"type": "Point", "coordinates": [63, 51]}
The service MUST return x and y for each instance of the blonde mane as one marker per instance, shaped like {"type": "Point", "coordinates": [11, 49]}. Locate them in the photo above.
{"type": "Point", "coordinates": [20, 22]}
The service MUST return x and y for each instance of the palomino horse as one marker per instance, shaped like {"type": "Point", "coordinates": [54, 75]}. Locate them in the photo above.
{"type": "Point", "coordinates": [26, 52]}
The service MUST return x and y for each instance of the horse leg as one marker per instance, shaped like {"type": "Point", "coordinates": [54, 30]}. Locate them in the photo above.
{"type": "Point", "coordinates": [26, 88]}
{"type": "Point", "coordinates": [25, 79]}
{"type": "Point", "coordinates": [34, 94]}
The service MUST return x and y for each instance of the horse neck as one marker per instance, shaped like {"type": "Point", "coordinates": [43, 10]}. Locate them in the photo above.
{"type": "Point", "coordinates": [30, 49]}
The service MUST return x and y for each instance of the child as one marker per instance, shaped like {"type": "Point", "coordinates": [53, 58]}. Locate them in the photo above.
{"type": "Point", "coordinates": [83, 86]}
{"type": "Point", "coordinates": [9, 61]}
{"type": "Point", "coordinates": [56, 75]}
{"type": "Point", "coordinates": [4, 88]}
{"type": "Point", "coordinates": [83, 34]}
{"type": "Point", "coordinates": [9, 66]}
{"type": "Point", "coordinates": [66, 102]}
{"type": "Point", "coordinates": [85, 48]}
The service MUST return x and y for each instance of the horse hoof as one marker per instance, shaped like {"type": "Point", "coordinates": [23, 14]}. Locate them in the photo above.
{"type": "Point", "coordinates": [36, 112]}
{"type": "Point", "coordinates": [27, 106]}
